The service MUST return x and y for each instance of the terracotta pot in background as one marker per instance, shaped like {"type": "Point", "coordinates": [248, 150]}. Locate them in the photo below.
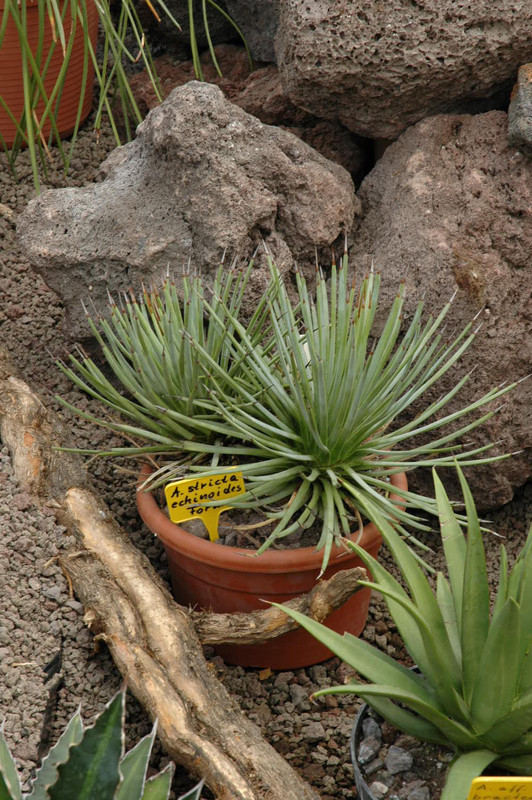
{"type": "Point", "coordinates": [225, 579]}
{"type": "Point", "coordinates": [11, 86]}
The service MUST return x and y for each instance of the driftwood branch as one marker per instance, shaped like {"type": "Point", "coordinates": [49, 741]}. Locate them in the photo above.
{"type": "Point", "coordinates": [152, 640]}
{"type": "Point", "coordinates": [258, 626]}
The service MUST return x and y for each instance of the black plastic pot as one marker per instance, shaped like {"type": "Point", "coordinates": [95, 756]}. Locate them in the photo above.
{"type": "Point", "coordinates": [363, 792]}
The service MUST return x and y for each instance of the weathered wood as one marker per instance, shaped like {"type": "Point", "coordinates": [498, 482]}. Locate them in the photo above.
{"type": "Point", "coordinates": [258, 626]}
{"type": "Point", "coordinates": [152, 640]}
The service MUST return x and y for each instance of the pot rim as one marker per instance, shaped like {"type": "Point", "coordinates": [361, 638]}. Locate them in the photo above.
{"type": "Point", "coordinates": [362, 787]}
{"type": "Point", "coordinates": [238, 558]}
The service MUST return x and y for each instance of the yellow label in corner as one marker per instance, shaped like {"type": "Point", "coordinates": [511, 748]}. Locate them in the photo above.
{"type": "Point", "coordinates": [501, 789]}
{"type": "Point", "coordinates": [186, 498]}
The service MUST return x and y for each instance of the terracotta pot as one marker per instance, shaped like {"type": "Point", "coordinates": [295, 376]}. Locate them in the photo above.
{"type": "Point", "coordinates": [224, 579]}
{"type": "Point", "coordinates": [11, 71]}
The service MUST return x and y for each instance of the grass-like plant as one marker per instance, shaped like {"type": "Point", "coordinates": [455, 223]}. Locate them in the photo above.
{"type": "Point", "coordinates": [474, 690]}
{"type": "Point", "coordinates": [123, 42]}
{"type": "Point", "coordinates": [302, 400]}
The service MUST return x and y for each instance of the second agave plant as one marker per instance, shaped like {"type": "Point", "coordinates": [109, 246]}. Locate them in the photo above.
{"type": "Point", "coordinates": [301, 398]}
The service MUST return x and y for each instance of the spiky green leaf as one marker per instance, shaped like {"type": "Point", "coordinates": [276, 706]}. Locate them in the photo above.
{"type": "Point", "coordinates": [495, 685]}
{"type": "Point", "coordinates": [8, 770]}
{"type": "Point", "coordinates": [48, 773]}
{"type": "Point", "coordinates": [158, 787]}
{"type": "Point", "coordinates": [463, 771]}
{"type": "Point", "coordinates": [133, 769]}
{"type": "Point", "coordinates": [92, 769]}
{"type": "Point", "coordinates": [194, 793]}
{"type": "Point", "coordinates": [475, 622]}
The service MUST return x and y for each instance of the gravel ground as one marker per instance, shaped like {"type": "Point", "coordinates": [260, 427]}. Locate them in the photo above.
{"type": "Point", "coordinates": [49, 663]}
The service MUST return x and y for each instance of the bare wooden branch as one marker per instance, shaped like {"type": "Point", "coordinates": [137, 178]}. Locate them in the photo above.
{"type": "Point", "coordinates": [258, 626]}
{"type": "Point", "coordinates": [152, 640]}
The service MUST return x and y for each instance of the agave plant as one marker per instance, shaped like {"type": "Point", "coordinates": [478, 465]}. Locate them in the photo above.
{"type": "Point", "coordinates": [90, 763]}
{"type": "Point", "coordinates": [474, 688]}
{"type": "Point", "coordinates": [301, 399]}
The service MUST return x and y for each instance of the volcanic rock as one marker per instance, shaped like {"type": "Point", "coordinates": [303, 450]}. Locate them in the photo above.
{"type": "Point", "coordinates": [380, 67]}
{"type": "Point", "coordinates": [202, 178]}
{"type": "Point", "coordinates": [449, 207]}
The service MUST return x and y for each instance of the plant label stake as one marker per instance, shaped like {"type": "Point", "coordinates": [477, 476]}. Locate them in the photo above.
{"type": "Point", "coordinates": [488, 788]}
{"type": "Point", "coordinates": [186, 498]}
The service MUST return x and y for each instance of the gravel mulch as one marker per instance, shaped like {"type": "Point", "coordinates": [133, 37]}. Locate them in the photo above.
{"type": "Point", "coordinates": [49, 662]}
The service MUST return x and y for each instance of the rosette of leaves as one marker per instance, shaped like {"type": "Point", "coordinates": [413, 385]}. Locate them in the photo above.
{"type": "Point", "coordinates": [473, 692]}
{"type": "Point", "coordinates": [88, 763]}
{"type": "Point", "coordinates": [303, 399]}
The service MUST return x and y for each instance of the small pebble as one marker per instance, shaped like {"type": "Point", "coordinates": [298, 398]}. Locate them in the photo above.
{"type": "Point", "coordinates": [53, 592]}
{"type": "Point", "coordinates": [378, 790]}
{"type": "Point", "coordinates": [313, 732]}
{"type": "Point", "coordinates": [373, 766]}
{"type": "Point", "coordinates": [421, 793]}
{"type": "Point", "coordinates": [371, 728]}
{"type": "Point", "coordinates": [398, 760]}
{"type": "Point", "coordinates": [368, 750]}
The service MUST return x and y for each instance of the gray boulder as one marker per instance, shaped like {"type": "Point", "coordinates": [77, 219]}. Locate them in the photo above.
{"type": "Point", "coordinates": [380, 67]}
{"type": "Point", "coordinates": [202, 178]}
{"type": "Point", "coordinates": [258, 22]}
{"type": "Point", "coordinates": [520, 112]}
{"type": "Point", "coordinates": [448, 208]}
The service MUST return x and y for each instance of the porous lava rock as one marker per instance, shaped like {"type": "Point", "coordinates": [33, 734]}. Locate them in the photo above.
{"type": "Point", "coordinates": [380, 67]}
{"type": "Point", "coordinates": [520, 112]}
{"type": "Point", "coordinates": [259, 93]}
{"type": "Point", "coordinates": [202, 178]}
{"type": "Point", "coordinates": [449, 208]}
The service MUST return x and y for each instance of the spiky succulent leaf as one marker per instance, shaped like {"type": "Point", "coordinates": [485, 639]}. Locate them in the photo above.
{"type": "Point", "coordinates": [10, 784]}
{"type": "Point", "coordinates": [519, 765]}
{"type": "Point", "coordinates": [487, 717]}
{"type": "Point", "coordinates": [87, 764]}
{"type": "Point", "coordinates": [454, 546]}
{"type": "Point", "coordinates": [424, 635]}
{"type": "Point", "coordinates": [463, 771]}
{"type": "Point", "coordinates": [360, 655]}
{"type": "Point", "coordinates": [303, 384]}
{"type": "Point", "coordinates": [495, 686]}
{"type": "Point", "coordinates": [133, 769]}
{"type": "Point", "coordinates": [158, 787]}
{"type": "Point", "coordinates": [405, 720]}
{"type": "Point", "coordinates": [48, 773]}
{"type": "Point", "coordinates": [475, 622]}
{"type": "Point", "coordinates": [5, 794]}
{"type": "Point", "coordinates": [445, 600]}
{"type": "Point", "coordinates": [92, 768]}
{"type": "Point", "coordinates": [194, 793]}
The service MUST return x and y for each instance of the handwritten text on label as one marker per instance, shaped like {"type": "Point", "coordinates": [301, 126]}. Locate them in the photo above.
{"type": "Point", "coordinates": [186, 499]}
{"type": "Point", "coordinates": [488, 788]}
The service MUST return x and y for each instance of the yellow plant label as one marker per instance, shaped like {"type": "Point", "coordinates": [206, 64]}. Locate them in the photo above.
{"type": "Point", "coordinates": [501, 789]}
{"type": "Point", "coordinates": [186, 498]}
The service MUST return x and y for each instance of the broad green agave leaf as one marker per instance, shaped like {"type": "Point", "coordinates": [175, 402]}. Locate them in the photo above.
{"type": "Point", "coordinates": [133, 769]}
{"type": "Point", "coordinates": [158, 787]}
{"type": "Point", "coordinates": [92, 768]}
{"type": "Point", "coordinates": [48, 773]}
{"type": "Point", "coordinates": [485, 715]}
{"type": "Point", "coordinates": [9, 781]}
{"type": "Point", "coordinates": [90, 763]}
{"type": "Point", "coordinates": [463, 771]}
